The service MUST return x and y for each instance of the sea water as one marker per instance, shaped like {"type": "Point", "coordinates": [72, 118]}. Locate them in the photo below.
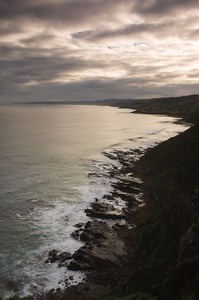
{"type": "Point", "coordinates": [46, 154]}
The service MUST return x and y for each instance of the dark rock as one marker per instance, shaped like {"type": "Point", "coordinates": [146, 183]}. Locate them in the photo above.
{"type": "Point", "coordinates": [190, 242]}
{"type": "Point", "coordinates": [79, 225]}
{"type": "Point", "coordinates": [78, 265]}
{"type": "Point", "coordinates": [108, 197]}
{"type": "Point", "coordinates": [63, 264]}
{"type": "Point", "coordinates": [103, 248]}
{"type": "Point", "coordinates": [64, 256]}
{"type": "Point", "coordinates": [54, 255]}
{"type": "Point", "coordinates": [126, 187]}
{"type": "Point", "coordinates": [75, 234]}
{"type": "Point", "coordinates": [84, 237]}
{"type": "Point", "coordinates": [92, 175]}
{"type": "Point", "coordinates": [111, 155]}
{"type": "Point", "coordinates": [104, 211]}
{"type": "Point", "coordinates": [123, 196]}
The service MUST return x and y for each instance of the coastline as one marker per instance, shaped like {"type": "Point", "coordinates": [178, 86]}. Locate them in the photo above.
{"type": "Point", "coordinates": [114, 279]}
{"type": "Point", "coordinates": [106, 256]}
{"type": "Point", "coordinates": [108, 269]}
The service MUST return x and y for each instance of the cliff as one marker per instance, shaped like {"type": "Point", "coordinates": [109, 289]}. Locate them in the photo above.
{"type": "Point", "coordinates": [165, 246]}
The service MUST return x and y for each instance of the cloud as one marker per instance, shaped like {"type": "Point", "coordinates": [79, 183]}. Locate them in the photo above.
{"type": "Point", "coordinates": [134, 30]}
{"type": "Point", "coordinates": [162, 7]}
{"type": "Point", "coordinates": [95, 49]}
{"type": "Point", "coordinates": [161, 29]}
{"type": "Point", "coordinates": [70, 12]}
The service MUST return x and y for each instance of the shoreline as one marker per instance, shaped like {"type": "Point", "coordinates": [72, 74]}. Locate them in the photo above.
{"type": "Point", "coordinates": [99, 258]}
{"type": "Point", "coordinates": [114, 266]}
{"type": "Point", "coordinates": [140, 142]}
{"type": "Point", "coordinates": [105, 257]}
{"type": "Point", "coordinates": [105, 253]}
{"type": "Point", "coordinates": [100, 283]}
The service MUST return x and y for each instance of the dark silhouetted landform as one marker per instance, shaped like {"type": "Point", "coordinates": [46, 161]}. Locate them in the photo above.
{"type": "Point", "coordinates": [186, 107]}
{"type": "Point", "coordinates": [165, 260]}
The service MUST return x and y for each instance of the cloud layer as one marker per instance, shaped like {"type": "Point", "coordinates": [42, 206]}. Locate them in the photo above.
{"type": "Point", "coordinates": [96, 49]}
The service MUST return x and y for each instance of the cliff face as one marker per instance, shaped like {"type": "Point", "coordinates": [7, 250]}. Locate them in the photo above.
{"type": "Point", "coordinates": [166, 259]}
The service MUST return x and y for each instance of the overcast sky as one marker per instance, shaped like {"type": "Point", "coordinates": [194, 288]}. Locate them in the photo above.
{"type": "Point", "coordinates": [97, 49]}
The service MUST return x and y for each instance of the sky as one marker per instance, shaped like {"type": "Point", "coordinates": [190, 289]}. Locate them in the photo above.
{"type": "Point", "coordinates": [98, 49]}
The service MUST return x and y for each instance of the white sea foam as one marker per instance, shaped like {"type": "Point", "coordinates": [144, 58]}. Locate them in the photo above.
{"type": "Point", "coordinates": [54, 225]}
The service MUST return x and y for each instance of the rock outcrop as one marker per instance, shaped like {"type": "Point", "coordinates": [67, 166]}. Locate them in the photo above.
{"type": "Point", "coordinates": [55, 255]}
{"type": "Point", "coordinates": [103, 247]}
{"type": "Point", "coordinates": [104, 211]}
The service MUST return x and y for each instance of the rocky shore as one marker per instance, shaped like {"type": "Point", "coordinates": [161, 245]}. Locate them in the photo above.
{"type": "Point", "coordinates": [144, 250]}
{"type": "Point", "coordinates": [104, 255]}
{"type": "Point", "coordinates": [150, 252]}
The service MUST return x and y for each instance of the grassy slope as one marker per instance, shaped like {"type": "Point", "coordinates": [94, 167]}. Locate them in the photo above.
{"type": "Point", "coordinates": [167, 254]}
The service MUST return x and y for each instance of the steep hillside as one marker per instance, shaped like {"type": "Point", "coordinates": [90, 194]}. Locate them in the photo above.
{"type": "Point", "coordinates": [186, 107]}
{"type": "Point", "coordinates": [166, 260]}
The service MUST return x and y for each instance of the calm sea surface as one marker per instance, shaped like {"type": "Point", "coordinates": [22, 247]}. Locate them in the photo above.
{"type": "Point", "coordinates": [46, 153]}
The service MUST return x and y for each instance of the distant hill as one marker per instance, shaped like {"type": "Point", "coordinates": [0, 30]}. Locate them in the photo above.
{"type": "Point", "coordinates": [186, 107]}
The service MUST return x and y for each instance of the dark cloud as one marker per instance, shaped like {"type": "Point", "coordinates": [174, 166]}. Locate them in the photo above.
{"type": "Point", "coordinates": [25, 65]}
{"type": "Point", "coordinates": [72, 11]}
{"type": "Point", "coordinates": [7, 28]}
{"type": "Point", "coordinates": [163, 7]}
{"type": "Point", "coordinates": [160, 29]}
{"type": "Point", "coordinates": [140, 29]}
{"type": "Point", "coordinates": [40, 39]}
{"type": "Point", "coordinates": [68, 11]}
{"type": "Point", "coordinates": [98, 89]}
{"type": "Point", "coordinates": [95, 49]}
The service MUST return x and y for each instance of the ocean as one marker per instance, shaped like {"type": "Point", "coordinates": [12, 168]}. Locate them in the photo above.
{"type": "Point", "coordinates": [46, 156]}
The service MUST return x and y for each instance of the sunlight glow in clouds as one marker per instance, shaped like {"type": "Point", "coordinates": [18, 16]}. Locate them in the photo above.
{"type": "Point", "coordinates": [96, 49]}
